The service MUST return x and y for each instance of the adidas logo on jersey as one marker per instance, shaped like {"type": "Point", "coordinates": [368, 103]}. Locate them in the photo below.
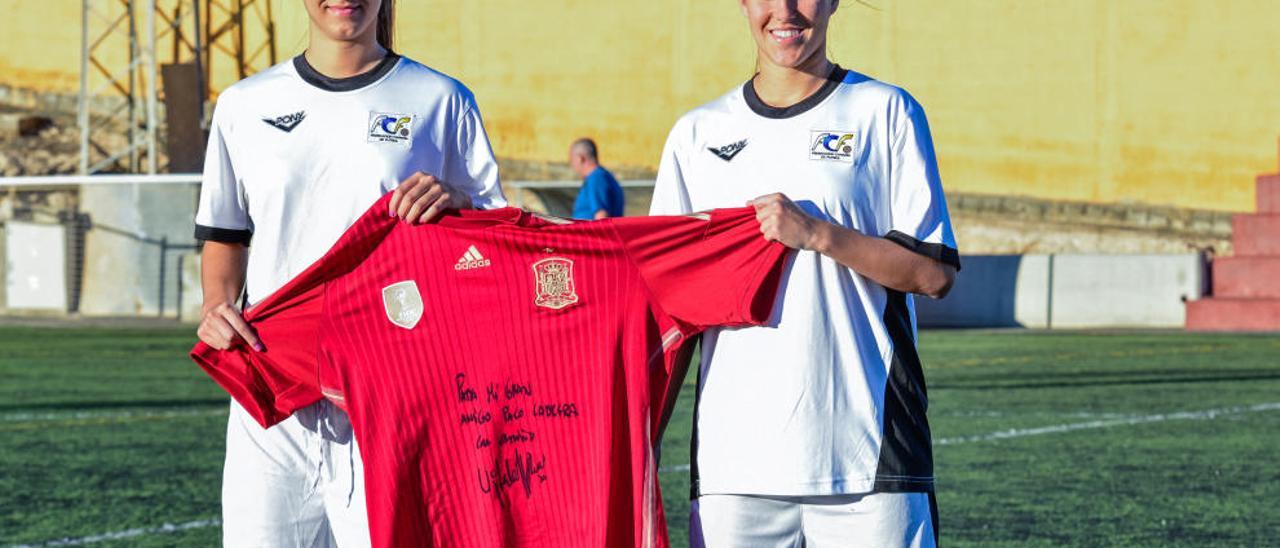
{"type": "Point", "coordinates": [728, 151]}
{"type": "Point", "coordinates": [471, 259]}
{"type": "Point", "coordinates": [287, 122]}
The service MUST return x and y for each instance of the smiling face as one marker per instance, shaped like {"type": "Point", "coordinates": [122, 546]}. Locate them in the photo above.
{"type": "Point", "coordinates": [789, 33]}
{"type": "Point", "coordinates": [344, 20]}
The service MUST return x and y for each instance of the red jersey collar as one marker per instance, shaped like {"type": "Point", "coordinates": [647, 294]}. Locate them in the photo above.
{"type": "Point", "coordinates": [481, 218]}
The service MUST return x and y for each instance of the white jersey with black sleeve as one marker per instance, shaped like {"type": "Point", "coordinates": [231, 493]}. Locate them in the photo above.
{"type": "Point", "coordinates": [829, 398]}
{"type": "Point", "coordinates": [295, 157]}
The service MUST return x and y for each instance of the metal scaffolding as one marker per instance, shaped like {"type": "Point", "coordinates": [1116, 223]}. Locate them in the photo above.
{"type": "Point", "coordinates": [116, 98]}
{"type": "Point", "coordinates": [120, 90]}
{"type": "Point", "coordinates": [225, 26]}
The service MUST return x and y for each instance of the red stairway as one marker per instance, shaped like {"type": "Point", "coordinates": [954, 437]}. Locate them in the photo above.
{"type": "Point", "coordinates": [1246, 287]}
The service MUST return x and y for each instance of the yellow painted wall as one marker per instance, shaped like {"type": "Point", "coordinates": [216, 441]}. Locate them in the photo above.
{"type": "Point", "coordinates": [1157, 101]}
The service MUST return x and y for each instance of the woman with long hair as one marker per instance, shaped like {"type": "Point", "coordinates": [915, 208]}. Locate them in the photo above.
{"type": "Point", "coordinates": [811, 431]}
{"type": "Point", "coordinates": [296, 154]}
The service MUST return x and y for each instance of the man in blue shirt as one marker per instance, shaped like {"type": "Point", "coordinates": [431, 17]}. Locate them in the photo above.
{"type": "Point", "coordinates": [600, 195]}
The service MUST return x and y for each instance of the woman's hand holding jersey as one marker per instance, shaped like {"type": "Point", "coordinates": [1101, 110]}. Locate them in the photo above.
{"type": "Point", "coordinates": [879, 259]}
{"type": "Point", "coordinates": [782, 221]}
{"type": "Point", "coordinates": [422, 197]}
{"type": "Point", "coordinates": [222, 326]}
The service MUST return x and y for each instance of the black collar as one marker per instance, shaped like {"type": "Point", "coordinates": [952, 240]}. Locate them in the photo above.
{"type": "Point", "coordinates": [759, 107]}
{"type": "Point", "coordinates": [312, 76]}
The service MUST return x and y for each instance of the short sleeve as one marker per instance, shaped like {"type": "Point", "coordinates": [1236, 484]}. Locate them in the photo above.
{"type": "Point", "coordinates": [223, 213]}
{"type": "Point", "coordinates": [706, 270]}
{"type": "Point", "coordinates": [670, 195]}
{"type": "Point", "coordinates": [920, 220]}
{"type": "Point", "coordinates": [592, 197]}
{"type": "Point", "coordinates": [284, 377]}
{"type": "Point", "coordinates": [598, 189]}
{"type": "Point", "coordinates": [472, 166]}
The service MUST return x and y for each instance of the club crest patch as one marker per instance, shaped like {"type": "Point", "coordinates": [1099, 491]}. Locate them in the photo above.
{"type": "Point", "coordinates": [386, 127]}
{"type": "Point", "coordinates": [403, 303]}
{"type": "Point", "coordinates": [553, 283]}
{"type": "Point", "coordinates": [837, 146]}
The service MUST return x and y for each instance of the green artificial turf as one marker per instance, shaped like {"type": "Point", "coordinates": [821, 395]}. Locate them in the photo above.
{"type": "Point", "coordinates": [1041, 439]}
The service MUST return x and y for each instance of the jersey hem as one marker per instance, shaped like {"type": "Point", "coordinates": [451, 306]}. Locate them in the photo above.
{"type": "Point", "coordinates": [249, 389]}
{"type": "Point", "coordinates": [820, 488]}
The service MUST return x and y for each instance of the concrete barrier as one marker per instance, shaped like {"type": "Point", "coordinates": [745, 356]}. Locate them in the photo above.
{"type": "Point", "coordinates": [1125, 290]}
{"type": "Point", "coordinates": [35, 267]}
{"type": "Point", "coordinates": [1068, 291]}
{"type": "Point", "coordinates": [993, 291]}
{"type": "Point", "coordinates": [133, 225]}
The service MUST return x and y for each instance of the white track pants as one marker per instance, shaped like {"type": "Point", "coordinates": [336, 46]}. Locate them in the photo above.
{"type": "Point", "coordinates": [874, 520]}
{"type": "Point", "coordinates": [297, 484]}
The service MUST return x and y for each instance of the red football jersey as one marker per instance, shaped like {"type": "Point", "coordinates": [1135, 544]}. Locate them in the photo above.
{"type": "Point", "coordinates": [504, 373]}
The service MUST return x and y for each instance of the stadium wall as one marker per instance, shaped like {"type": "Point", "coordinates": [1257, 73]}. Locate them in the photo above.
{"type": "Point", "coordinates": [123, 275]}
{"type": "Point", "coordinates": [1069, 291]}
{"type": "Point", "coordinates": [1168, 102]}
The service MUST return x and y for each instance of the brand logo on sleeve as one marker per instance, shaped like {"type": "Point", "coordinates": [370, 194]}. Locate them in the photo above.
{"type": "Point", "coordinates": [386, 127]}
{"type": "Point", "coordinates": [553, 283]}
{"type": "Point", "coordinates": [471, 259]}
{"type": "Point", "coordinates": [403, 303]}
{"type": "Point", "coordinates": [727, 152]}
{"type": "Point", "coordinates": [287, 122]}
{"type": "Point", "coordinates": [836, 146]}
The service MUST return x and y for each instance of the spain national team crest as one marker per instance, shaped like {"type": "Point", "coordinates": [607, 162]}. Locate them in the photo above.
{"type": "Point", "coordinates": [553, 283]}
{"type": "Point", "coordinates": [403, 303]}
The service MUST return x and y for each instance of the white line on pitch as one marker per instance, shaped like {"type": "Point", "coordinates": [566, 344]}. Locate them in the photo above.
{"type": "Point", "coordinates": [1208, 414]}
{"type": "Point", "coordinates": [165, 529]}
{"type": "Point", "coordinates": [1002, 414]}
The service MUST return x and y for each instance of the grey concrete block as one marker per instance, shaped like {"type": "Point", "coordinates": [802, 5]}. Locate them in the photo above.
{"type": "Point", "coordinates": [1067, 291]}
{"type": "Point", "coordinates": [992, 291]}
{"type": "Point", "coordinates": [1124, 290]}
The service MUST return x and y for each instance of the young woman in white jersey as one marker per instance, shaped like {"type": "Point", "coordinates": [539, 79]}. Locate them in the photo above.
{"type": "Point", "coordinates": [296, 153]}
{"type": "Point", "coordinates": [812, 431]}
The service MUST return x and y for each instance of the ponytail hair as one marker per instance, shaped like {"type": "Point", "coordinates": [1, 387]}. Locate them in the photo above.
{"type": "Point", "coordinates": [386, 24]}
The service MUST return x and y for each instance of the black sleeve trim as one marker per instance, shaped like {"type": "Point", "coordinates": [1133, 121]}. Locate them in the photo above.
{"type": "Point", "coordinates": [937, 252]}
{"type": "Point", "coordinates": [223, 235]}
